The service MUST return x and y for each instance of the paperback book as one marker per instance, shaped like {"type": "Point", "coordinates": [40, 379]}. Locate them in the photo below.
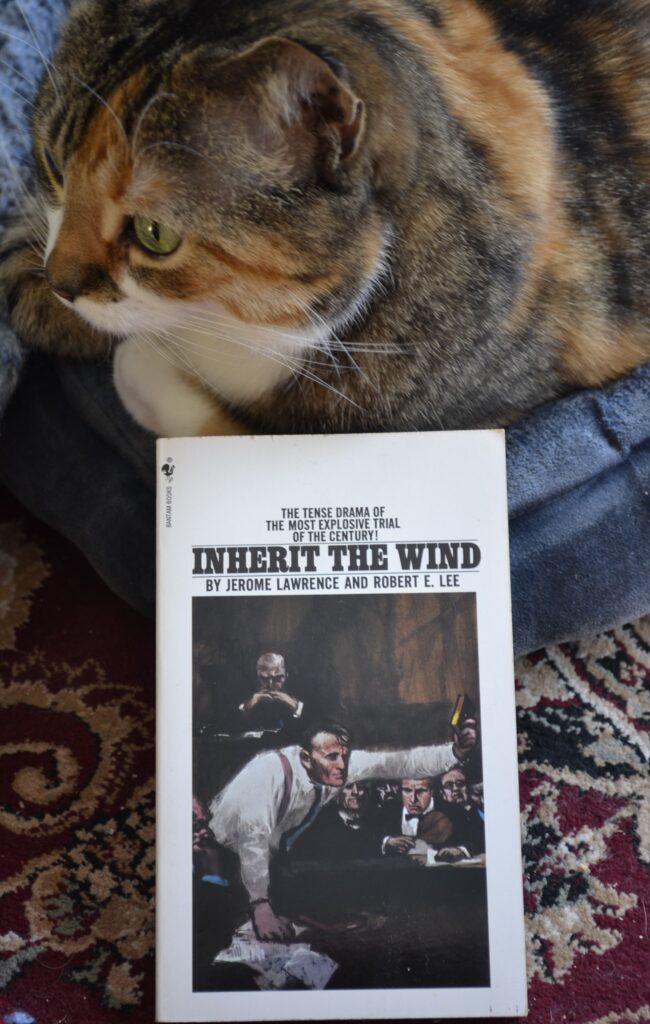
{"type": "Point", "coordinates": [338, 830]}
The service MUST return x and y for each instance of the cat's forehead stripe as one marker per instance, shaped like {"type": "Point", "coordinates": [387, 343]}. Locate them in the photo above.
{"type": "Point", "coordinates": [105, 155]}
{"type": "Point", "coordinates": [107, 118]}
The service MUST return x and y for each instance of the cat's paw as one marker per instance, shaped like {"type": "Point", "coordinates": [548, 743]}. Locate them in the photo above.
{"type": "Point", "coordinates": [157, 393]}
{"type": "Point", "coordinates": [32, 310]}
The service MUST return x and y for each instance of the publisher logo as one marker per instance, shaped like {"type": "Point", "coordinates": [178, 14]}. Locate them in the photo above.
{"type": "Point", "coordinates": [167, 469]}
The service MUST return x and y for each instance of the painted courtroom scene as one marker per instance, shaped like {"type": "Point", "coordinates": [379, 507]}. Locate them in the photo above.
{"type": "Point", "coordinates": [338, 810]}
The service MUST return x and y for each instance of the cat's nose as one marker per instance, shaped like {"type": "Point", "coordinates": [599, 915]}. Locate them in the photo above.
{"type": "Point", "coordinates": [66, 285]}
{"type": "Point", "coordinates": [69, 279]}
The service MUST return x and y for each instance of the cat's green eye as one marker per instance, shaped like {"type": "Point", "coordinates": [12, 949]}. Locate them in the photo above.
{"type": "Point", "coordinates": [52, 166]}
{"type": "Point", "coordinates": [156, 237]}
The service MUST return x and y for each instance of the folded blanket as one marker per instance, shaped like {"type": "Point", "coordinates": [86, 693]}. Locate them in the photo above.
{"type": "Point", "coordinates": [579, 505]}
{"type": "Point", "coordinates": [578, 469]}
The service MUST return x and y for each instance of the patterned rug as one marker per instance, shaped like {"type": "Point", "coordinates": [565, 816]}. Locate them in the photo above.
{"type": "Point", "coordinates": [77, 804]}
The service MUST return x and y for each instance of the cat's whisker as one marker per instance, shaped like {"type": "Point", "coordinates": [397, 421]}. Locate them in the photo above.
{"type": "Point", "coordinates": [330, 337]}
{"type": "Point", "coordinates": [326, 346]}
{"type": "Point", "coordinates": [157, 341]}
{"type": "Point", "coordinates": [166, 343]}
{"type": "Point", "coordinates": [30, 46]}
{"type": "Point", "coordinates": [38, 241]}
{"type": "Point", "coordinates": [18, 73]}
{"type": "Point", "coordinates": [195, 346]}
{"type": "Point", "coordinates": [38, 47]}
{"type": "Point", "coordinates": [210, 316]}
{"type": "Point", "coordinates": [147, 107]}
{"type": "Point", "coordinates": [323, 344]}
{"type": "Point", "coordinates": [23, 99]}
{"type": "Point", "coordinates": [175, 145]}
{"type": "Point", "coordinates": [285, 358]}
{"type": "Point", "coordinates": [24, 202]}
{"type": "Point", "coordinates": [297, 367]}
{"type": "Point", "coordinates": [369, 347]}
{"type": "Point", "coordinates": [304, 356]}
{"type": "Point", "coordinates": [273, 333]}
{"type": "Point", "coordinates": [12, 167]}
{"type": "Point", "coordinates": [315, 318]}
{"type": "Point", "coordinates": [104, 103]}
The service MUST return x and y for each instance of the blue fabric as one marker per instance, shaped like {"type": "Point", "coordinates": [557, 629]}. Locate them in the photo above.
{"type": "Point", "coordinates": [578, 469]}
{"type": "Point", "coordinates": [579, 504]}
{"type": "Point", "coordinates": [22, 33]}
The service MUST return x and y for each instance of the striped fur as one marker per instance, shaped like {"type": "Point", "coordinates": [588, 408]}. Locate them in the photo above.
{"type": "Point", "coordinates": [395, 214]}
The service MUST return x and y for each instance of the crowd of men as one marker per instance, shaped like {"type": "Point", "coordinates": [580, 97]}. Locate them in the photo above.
{"type": "Point", "coordinates": [321, 799]}
{"type": "Point", "coordinates": [436, 820]}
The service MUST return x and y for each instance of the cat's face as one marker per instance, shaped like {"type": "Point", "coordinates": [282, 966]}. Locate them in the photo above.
{"type": "Point", "coordinates": [232, 186]}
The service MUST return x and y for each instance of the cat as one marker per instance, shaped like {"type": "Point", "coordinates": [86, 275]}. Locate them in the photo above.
{"type": "Point", "coordinates": [353, 215]}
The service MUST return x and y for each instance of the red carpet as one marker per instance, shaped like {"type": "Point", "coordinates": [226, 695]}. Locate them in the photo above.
{"type": "Point", "coordinates": [77, 805]}
{"type": "Point", "coordinates": [76, 787]}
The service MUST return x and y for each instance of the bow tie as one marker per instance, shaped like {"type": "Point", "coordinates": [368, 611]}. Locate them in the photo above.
{"type": "Point", "coordinates": [410, 817]}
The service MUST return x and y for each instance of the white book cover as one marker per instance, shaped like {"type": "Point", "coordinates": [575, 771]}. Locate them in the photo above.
{"type": "Point", "coordinates": [338, 816]}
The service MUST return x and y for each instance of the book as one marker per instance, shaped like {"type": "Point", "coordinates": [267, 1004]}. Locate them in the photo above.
{"type": "Point", "coordinates": [338, 817]}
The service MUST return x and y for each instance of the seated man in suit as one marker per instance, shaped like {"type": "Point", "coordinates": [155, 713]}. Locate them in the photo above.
{"type": "Point", "coordinates": [271, 707]}
{"type": "Point", "coordinates": [346, 829]}
{"type": "Point", "coordinates": [467, 817]}
{"type": "Point", "coordinates": [415, 818]}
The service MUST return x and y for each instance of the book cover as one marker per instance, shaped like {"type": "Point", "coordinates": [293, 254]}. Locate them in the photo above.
{"type": "Point", "coordinates": [338, 830]}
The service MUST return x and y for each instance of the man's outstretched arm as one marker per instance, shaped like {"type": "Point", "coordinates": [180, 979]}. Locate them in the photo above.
{"type": "Point", "coordinates": [418, 762]}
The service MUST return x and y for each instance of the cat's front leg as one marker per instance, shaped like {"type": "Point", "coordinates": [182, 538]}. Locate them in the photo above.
{"type": "Point", "coordinates": [33, 311]}
{"type": "Point", "coordinates": [163, 397]}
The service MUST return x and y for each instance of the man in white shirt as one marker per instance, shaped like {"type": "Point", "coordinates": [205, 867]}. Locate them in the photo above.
{"type": "Point", "coordinates": [276, 796]}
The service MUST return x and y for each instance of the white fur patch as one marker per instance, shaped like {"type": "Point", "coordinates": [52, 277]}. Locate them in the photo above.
{"type": "Point", "coordinates": [155, 393]}
{"type": "Point", "coordinates": [236, 361]}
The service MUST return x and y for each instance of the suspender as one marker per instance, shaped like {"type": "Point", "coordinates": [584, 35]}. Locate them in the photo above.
{"type": "Point", "coordinates": [289, 838]}
{"type": "Point", "coordinates": [288, 782]}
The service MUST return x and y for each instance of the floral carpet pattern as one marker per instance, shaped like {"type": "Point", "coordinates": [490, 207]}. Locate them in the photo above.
{"type": "Point", "coordinates": [77, 825]}
{"type": "Point", "coordinates": [584, 738]}
{"type": "Point", "coordinates": [77, 804]}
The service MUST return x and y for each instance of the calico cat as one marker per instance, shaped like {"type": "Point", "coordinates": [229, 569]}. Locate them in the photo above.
{"type": "Point", "coordinates": [352, 215]}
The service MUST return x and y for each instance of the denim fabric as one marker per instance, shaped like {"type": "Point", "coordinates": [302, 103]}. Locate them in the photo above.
{"type": "Point", "coordinates": [579, 507]}
{"type": "Point", "coordinates": [579, 494]}
{"type": "Point", "coordinates": [580, 562]}
{"type": "Point", "coordinates": [71, 462]}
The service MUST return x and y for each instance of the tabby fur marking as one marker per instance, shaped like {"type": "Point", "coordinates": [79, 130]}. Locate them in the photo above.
{"type": "Point", "coordinates": [376, 214]}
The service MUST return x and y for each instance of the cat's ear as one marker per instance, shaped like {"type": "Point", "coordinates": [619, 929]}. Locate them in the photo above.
{"type": "Point", "coordinates": [294, 105]}
{"type": "Point", "coordinates": [300, 89]}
